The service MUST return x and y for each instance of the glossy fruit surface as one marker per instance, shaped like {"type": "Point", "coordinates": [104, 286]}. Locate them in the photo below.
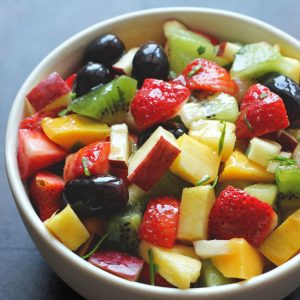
{"type": "Point", "coordinates": [96, 196]}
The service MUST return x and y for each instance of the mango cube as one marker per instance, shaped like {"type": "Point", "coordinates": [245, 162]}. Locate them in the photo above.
{"type": "Point", "coordinates": [195, 161]}
{"type": "Point", "coordinates": [284, 242]}
{"type": "Point", "coordinates": [72, 130]}
{"type": "Point", "coordinates": [68, 228]}
{"type": "Point", "coordinates": [239, 167]}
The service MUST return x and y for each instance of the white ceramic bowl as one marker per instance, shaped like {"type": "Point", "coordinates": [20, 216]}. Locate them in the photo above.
{"type": "Point", "coordinates": [134, 29]}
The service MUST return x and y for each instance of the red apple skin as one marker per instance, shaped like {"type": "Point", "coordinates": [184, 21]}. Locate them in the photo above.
{"type": "Point", "coordinates": [120, 173]}
{"type": "Point", "coordinates": [47, 91]}
{"type": "Point", "coordinates": [118, 263]}
{"type": "Point", "coordinates": [154, 165]}
{"type": "Point", "coordinates": [118, 164]}
{"type": "Point", "coordinates": [221, 49]}
{"type": "Point", "coordinates": [286, 140]}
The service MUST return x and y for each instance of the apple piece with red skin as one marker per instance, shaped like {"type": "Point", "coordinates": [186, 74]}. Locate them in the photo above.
{"type": "Point", "coordinates": [47, 91]}
{"type": "Point", "coordinates": [286, 140]}
{"type": "Point", "coordinates": [118, 263]}
{"type": "Point", "coordinates": [124, 65]}
{"type": "Point", "coordinates": [228, 50]}
{"type": "Point", "coordinates": [153, 159]}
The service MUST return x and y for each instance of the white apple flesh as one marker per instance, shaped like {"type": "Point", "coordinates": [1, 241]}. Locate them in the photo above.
{"type": "Point", "coordinates": [124, 65]}
{"type": "Point", "coordinates": [228, 50]}
{"type": "Point", "coordinates": [153, 159]}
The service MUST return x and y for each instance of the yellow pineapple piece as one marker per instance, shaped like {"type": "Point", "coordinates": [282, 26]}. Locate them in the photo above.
{"type": "Point", "coordinates": [209, 132]}
{"type": "Point", "coordinates": [243, 261]}
{"type": "Point", "coordinates": [74, 129]}
{"type": "Point", "coordinates": [185, 250]}
{"type": "Point", "coordinates": [180, 270]}
{"type": "Point", "coordinates": [195, 207]}
{"type": "Point", "coordinates": [239, 167]}
{"type": "Point", "coordinates": [67, 227]}
{"type": "Point", "coordinates": [284, 242]}
{"type": "Point", "coordinates": [195, 160]}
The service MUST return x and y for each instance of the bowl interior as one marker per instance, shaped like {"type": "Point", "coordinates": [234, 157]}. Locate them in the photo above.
{"type": "Point", "coordinates": [134, 29]}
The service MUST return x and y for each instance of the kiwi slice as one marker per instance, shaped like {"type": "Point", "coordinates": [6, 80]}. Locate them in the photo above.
{"type": "Point", "coordinates": [109, 103]}
{"type": "Point", "coordinates": [288, 204]}
{"type": "Point", "coordinates": [288, 178]}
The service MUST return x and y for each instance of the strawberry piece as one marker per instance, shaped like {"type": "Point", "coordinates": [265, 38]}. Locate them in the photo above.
{"type": "Point", "coordinates": [36, 152]}
{"type": "Point", "coordinates": [262, 112]}
{"type": "Point", "coordinates": [46, 193]}
{"type": "Point", "coordinates": [157, 101]}
{"type": "Point", "coordinates": [203, 74]}
{"type": "Point", "coordinates": [118, 263]}
{"type": "Point", "coordinates": [160, 222]}
{"type": "Point", "coordinates": [47, 91]}
{"type": "Point", "coordinates": [70, 80]}
{"type": "Point", "coordinates": [236, 214]}
{"type": "Point", "coordinates": [96, 155]}
{"type": "Point", "coordinates": [158, 280]}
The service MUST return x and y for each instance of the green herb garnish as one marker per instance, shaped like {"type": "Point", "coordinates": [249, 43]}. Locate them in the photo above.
{"type": "Point", "coordinates": [95, 248]}
{"type": "Point", "coordinates": [248, 123]}
{"type": "Point", "coordinates": [194, 71]}
{"type": "Point", "coordinates": [73, 96]}
{"type": "Point", "coordinates": [204, 179]}
{"type": "Point", "coordinates": [222, 139]}
{"type": "Point", "coordinates": [63, 112]}
{"type": "Point", "coordinates": [284, 161]}
{"type": "Point", "coordinates": [215, 182]}
{"type": "Point", "coordinates": [201, 50]}
{"type": "Point", "coordinates": [85, 166]}
{"type": "Point", "coordinates": [152, 267]}
{"type": "Point", "coordinates": [263, 95]}
{"type": "Point", "coordinates": [172, 75]}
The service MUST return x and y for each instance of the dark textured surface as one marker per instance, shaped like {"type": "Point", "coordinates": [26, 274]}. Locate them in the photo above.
{"type": "Point", "coordinates": [28, 31]}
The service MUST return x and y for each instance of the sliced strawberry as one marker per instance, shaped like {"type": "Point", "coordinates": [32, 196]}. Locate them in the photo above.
{"type": "Point", "coordinates": [46, 193]}
{"type": "Point", "coordinates": [158, 280]}
{"type": "Point", "coordinates": [262, 112]}
{"type": "Point", "coordinates": [160, 221]}
{"type": "Point", "coordinates": [96, 157]}
{"type": "Point", "coordinates": [70, 80]}
{"type": "Point", "coordinates": [36, 152]}
{"type": "Point", "coordinates": [236, 214]}
{"type": "Point", "coordinates": [118, 263]}
{"type": "Point", "coordinates": [203, 74]}
{"type": "Point", "coordinates": [157, 101]}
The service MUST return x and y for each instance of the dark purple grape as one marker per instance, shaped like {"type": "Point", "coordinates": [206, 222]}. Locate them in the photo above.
{"type": "Point", "coordinates": [98, 196]}
{"type": "Point", "coordinates": [177, 129]}
{"type": "Point", "coordinates": [92, 75]}
{"type": "Point", "coordinates": [106, 49]}
{"type": "Point", "coordinates": [150, 61]}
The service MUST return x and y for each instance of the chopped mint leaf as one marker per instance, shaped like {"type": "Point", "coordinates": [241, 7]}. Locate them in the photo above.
{"type": "Point", "coordinates": [152, 267]}
{"type": "Point", "coordinates": [215, 182]}
{"type": "Point", "coordinates": [204, 179]}
{"type": "Point", "coordinates": [221, 140]}
{"type": "Point", "coordinates": [172, 75]}
{"type": "Point", "coordinates": [248, 123]}
{"type": "Point", "coordinates": [95, 248]}
{"type": "Point", "coordinates": [263, 95]}
{"type": "Point", "coordinates": [284, 161]}
{"type": "Point", "coordinates": [63, 112]}
{"type": "Point", "coordinates": [85, 166]}
{"type": "Point", "coordinates": [73, 96]}
{"type": "Point", "coordinates": [194, 70]}
{"type": "Point", "coordinates": [201, 50]}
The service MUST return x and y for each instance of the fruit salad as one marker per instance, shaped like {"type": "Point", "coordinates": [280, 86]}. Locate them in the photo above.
{"type": "Point", "coordinates": [175, 164]}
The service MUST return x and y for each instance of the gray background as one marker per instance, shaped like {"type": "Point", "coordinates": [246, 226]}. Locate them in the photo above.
{"type": "Point", "coordinates": [28, 31]}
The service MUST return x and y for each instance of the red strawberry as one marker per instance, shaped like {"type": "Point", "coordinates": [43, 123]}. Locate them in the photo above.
{"type": "Point", "coordinates": [70, 80]}
{"type": "Point", "coordinates": [96, 157]}
{"type": "Point", "coordinates": [118, 263]}
{"type": "Point", "coordinates": [262, 112]}
{"type": "Point", "coordinates": [156, 102]}
{"type": "Point", "coordinates": [36, 152]}
{"type": "Point", "coordinates": [46, 193]}
{"type": "Point", "coordinates": [203, 74]}
{"type": "Point", "coordinates": [158, 280]}
{"type": "Point", "coordinates": [236, 214]}
{"type": "Point", "coordinates": [160, 221]}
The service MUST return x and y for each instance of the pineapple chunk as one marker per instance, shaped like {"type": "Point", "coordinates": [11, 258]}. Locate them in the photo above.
{"type": "Point", "coordinates": [284, 242]}
{"type": "Point", "coordinates": [262, 150]}
{"type": "Point", "coordinates": [209, 132]}
{"type": "Point", "coordinates": [74, 129]}
{"type": "Point", "coordinates": [195, 207]}
{"type": "Point", "coordinates": [264, 192]}
{"type": "Point", "coordinates": [195, 160]}
{"type": "Point", "coordinates": [239, 167]}
{"type": "Point", "coordinates": [67, 227]}
{"type": "Point", "coordinates": [236, 259]}
{"type": "Point", "coordinates": [184, 250]}
{"type": "Point", "coordinates": [180, 270]}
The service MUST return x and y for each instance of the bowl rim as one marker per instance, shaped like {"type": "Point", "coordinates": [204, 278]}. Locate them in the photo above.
{"type": "Point", "coordinates": [31, 219]}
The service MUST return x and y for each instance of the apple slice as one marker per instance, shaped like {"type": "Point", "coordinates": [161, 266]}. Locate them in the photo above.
{"type": "Point", "coordinates": [124, 65]}
{"type": "Point", "coordinates": [287, 140]}
{"type": "Point", "coordinates": [118, 263]}
{"type": "Point", "coordinates": [119, 146]}
{"type": "Point", "coordinates": [228, 50]}
{"type": "Point", "coordinates": [53, 88]}
{"type": "Point", "coordinates": [153, 159]}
